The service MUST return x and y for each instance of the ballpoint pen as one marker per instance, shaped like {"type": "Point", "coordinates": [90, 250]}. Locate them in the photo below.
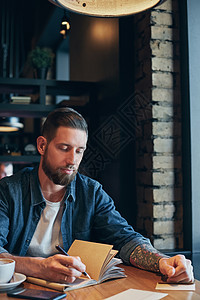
{"type": "Point", "coordinates": [62, 251]}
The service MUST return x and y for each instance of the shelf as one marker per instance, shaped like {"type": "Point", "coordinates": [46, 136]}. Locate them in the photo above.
{"type": "Point", "coordinates": [53, 87]}
{"type": "Point", "coordinates": [25, 110]}
{"type": "Point", "coordinates": [21, 159]}
{"type": "Point", "coordinates": [42, 88]}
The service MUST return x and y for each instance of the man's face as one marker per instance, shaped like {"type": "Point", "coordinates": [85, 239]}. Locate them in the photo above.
{"type": "Point", "coordinates": [63, 155]}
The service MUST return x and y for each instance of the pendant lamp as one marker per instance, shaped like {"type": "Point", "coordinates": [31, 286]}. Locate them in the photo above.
{"type": "Point", "coordinates": [107, 8]}
{"type": "Point", "coordinates": [10, 124]}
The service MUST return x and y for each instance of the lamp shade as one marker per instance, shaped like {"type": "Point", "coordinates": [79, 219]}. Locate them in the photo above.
{"type": "Point", "coordinates": [102, 8]}
{"type": "Point", "coordinates": [10, 124]}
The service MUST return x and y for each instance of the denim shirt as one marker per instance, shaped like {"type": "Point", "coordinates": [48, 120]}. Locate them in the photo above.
{"type": "Point", "coordinates": [89, 214]}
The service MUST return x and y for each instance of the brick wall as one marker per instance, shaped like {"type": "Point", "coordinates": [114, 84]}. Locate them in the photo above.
{"type": "Point", "coordinates": [159, 173]}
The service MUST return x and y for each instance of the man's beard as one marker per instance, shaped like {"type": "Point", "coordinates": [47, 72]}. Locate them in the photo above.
{"type": "Point", "coordinates": [56, 175]}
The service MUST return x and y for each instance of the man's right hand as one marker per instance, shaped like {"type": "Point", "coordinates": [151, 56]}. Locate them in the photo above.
{"type": "Point", "coordinates": [61, 268]}
{"type": "Point", "coordinates": [56, 268]}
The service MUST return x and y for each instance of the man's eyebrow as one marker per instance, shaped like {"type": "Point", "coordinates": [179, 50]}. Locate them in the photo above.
{"type": "Point", "coordinates": [65, 144]}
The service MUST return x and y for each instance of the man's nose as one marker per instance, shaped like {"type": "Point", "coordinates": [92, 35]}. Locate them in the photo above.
{"type": "Point", "coordinates": [71, 157]}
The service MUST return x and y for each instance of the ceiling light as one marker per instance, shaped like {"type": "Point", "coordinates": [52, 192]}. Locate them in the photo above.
{"type": "Point", "coordinates": [10, 124]}
{"type": "Point", "coordinates": [102, 8]}
{"type": "Point", "coordinates": [65, 26]}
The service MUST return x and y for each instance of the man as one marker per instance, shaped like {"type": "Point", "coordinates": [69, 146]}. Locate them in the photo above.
{"type": "Point", "coordinates": [54, 204]}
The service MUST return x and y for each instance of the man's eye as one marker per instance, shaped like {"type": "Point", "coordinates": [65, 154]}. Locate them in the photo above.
{"type": "Point", "coordinates": [63, 148]}
{"type": "Point", "coordinates": [80, 151]}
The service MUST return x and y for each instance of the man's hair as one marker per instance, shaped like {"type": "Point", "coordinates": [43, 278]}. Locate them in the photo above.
{"type": "Point", "coordinates": [63, 116]}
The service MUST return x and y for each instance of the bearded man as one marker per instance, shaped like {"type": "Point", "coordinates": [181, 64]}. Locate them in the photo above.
{"type": "Point", "coordinates": [54, 204]}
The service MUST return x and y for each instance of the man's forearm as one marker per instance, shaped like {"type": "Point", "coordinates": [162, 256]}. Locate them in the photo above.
{"type": "Point", "coordinates": [58, 268]}
{"type": "Point", "coordinates": [146, 257]}
{"type": "Point", "coordinates": [29, 266]}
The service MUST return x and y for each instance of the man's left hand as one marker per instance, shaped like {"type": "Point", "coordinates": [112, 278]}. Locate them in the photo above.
{"type": "Point", "coordinates": [176, 269]}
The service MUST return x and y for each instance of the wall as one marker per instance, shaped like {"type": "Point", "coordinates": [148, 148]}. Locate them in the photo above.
{"type": "Point", "coordinates": [94, 52]}
{"type": "Point", "coordinates": [159, 166]}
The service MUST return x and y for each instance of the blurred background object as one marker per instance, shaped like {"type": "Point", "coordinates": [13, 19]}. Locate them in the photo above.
{"type": "Point", "coordinates": [5, 170]}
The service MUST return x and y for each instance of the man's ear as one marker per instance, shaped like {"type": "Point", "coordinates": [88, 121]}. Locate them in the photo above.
{"type": "Point", "coordinates": [41, 144]}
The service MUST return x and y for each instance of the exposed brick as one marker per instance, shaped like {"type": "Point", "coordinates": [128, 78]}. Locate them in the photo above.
{"type": "Point", "coordinates": [163, 211]}
{"type": "Point", "coordinates": [162, 49]}
{"type": "Point", "coordinates": [167, 194]}
{"type": "Point", "coordinates": [162, 64]}
{"type": "Point", "coordinates": [162, 33]}
{"type": "Point", "coordinates": [164, 113]}
{"type": "Point", "coordinates": [163, 195]}
{"type": "Point", "coordinates": [161, 18]}
{"type": "Point", "coordinates": [166, 129]}
{"type": "Point", "coordinates": [162, 129]}
{"type": "Point", "coordinates": [163, 178]}
{"type": "Point", "coordinates": [163, 94]}
{"type": "Point", "coordinates": [163, 162]}
{"type": "Point", "coordinates": [165, 49]}
{"type": "Point", "coordinates": [163, 227]}
{"type": "Point", "coordinates": [158, 144]}
{"type": "Point", "coordinates": [165, 242]}
{"type": "Point", "coordinates": [163, 80]}
{"type": "Point", "coordinates": [163, 145]}
{"type": "Point", "coordinates": [167, 162]}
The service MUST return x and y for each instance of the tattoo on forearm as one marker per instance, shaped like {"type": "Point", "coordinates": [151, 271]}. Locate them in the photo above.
{"type": "Point", "coordinates": [146, 257]}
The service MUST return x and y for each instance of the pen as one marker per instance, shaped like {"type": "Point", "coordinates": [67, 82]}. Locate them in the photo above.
{"type": "Point", "coordinates": [61, 250]}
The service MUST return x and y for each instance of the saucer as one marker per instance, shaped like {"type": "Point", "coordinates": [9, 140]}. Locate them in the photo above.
{"type": "Point", "coordinates": [15, 281]}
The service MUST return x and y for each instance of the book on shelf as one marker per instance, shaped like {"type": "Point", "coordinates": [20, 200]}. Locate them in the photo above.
{"type": "Point", "coordinates": [20, 99]}
{"type": "Point", "coordinates": [100, 263]}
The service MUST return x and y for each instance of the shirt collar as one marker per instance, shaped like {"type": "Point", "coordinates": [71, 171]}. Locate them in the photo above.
{"type": "Point", "coordinates": [36, 194]}
{"type": "Point", "coordinates": [70, 192]}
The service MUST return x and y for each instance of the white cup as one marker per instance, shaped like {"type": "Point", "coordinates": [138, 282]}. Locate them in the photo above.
{"type": "Point", "coordinates": [7, 268]}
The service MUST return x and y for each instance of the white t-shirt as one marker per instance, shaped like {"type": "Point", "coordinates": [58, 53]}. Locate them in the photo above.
{"type": "Point", "coordinates": [48, 231]}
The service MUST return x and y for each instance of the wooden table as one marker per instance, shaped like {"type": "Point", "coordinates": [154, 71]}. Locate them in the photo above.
{"type": "Point", "coordinates": [136, 279]}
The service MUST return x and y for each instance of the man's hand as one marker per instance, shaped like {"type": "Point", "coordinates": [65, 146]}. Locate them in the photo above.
{"type": "Point", "coordinates": [61, 268]}
{"type": "Point", "coordinates": [176, 269]}
{"type": "Point", "coordinates": [57, 268]}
